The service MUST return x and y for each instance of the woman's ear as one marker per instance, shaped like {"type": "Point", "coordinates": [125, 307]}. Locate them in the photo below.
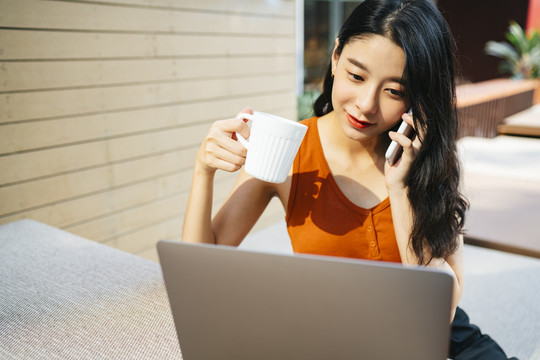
{"type": "Point", "coordinates": [335, 57]}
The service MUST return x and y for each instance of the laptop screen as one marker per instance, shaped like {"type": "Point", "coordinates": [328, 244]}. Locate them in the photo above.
{"type": "Point", "coordinates": [229, 303]}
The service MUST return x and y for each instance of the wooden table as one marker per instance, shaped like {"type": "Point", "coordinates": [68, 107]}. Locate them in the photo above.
{"type": "Point", "coordinates": [524, 123]}
{"type": "Point", "coordinates": [65, 297]}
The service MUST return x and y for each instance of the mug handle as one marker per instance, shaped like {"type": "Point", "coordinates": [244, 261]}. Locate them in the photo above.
{"type": "Point", "coordinates": [240, 138]}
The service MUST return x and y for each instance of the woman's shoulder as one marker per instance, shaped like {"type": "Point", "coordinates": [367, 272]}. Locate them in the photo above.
{"type": "Point", "coordinates": [309, 121]}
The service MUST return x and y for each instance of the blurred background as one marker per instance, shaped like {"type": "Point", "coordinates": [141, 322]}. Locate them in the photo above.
{"type": "Point", "coordinates": [473, 23]}
{"type": "Point", "coordinates": [105, 102]}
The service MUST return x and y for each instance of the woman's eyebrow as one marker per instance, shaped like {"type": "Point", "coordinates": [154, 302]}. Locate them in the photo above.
{"type": "Point", "coordinates": [358, 64]}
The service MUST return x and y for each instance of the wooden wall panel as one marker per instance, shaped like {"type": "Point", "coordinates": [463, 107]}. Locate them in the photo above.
{"type": "Point", "coordinates": [38, 164]}
{"type": "Point", "coordinates": [108, 228]}
{"type": "Point", "coordinates": [73, 17]}
{"type": "Point", "coordinates": [77, 210]}
{"type": "Point", "coordinates": [104, 105]}
{"type": "Point", "coordinates": [55, 103]}
{"type": "Point", "coordinates": [24, 136]}
{"type": "Point", "coordinates": [63, 45]}
{"type": "Point", "coordinates": [277, 8]}
{"type": "Point", "coordinates": [44, 75]}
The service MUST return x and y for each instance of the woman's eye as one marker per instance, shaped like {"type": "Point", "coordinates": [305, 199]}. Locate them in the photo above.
{"type": "Point", "coordinates": [357, 77]}
{"type": "Point", "coordinates": [395, 92]}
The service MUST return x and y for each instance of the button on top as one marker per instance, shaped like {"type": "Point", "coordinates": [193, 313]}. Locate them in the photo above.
{"type": "Point", "coordinates": [369, 228]}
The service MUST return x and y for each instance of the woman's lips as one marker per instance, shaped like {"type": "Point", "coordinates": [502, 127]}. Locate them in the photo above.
{"type": "Point", "coordinates": [357, 123]}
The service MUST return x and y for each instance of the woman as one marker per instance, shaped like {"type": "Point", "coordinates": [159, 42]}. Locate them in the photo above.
{"type": "Point", "coordinates": [342, 198]}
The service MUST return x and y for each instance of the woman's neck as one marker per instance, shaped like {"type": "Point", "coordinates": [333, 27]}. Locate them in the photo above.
{"type": "Point", "coordinates": [332, 136]}
{"type": "Point", "coordinates": [356, 166]}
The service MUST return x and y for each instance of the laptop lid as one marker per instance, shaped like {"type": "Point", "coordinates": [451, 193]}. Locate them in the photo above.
{"type": "Point", "coordinates": [229, 303]}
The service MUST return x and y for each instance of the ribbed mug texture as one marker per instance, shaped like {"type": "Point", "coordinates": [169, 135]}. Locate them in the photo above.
{"type": "Point", "coordinates": [272, 157]}
{"type": "Point", "coordinates": [272, 146]}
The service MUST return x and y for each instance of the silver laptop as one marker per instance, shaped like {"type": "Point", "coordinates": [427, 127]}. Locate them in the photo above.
{"type": "Point", "coordinates": [229, 303]}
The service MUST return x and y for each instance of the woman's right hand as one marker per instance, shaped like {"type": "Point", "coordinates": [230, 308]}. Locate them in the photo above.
{"type": "Point", "coordinates": [220, 149]}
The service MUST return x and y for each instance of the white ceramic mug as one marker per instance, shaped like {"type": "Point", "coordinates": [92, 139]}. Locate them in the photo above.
{"type": "Point", "coordinates": [272, 146]}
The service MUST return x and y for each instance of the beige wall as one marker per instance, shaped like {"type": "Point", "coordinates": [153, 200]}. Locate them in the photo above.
{"type": "Point", "coordinates": [104, 105]}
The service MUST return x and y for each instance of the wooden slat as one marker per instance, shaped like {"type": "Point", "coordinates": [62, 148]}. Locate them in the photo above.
{"type": "Point", "coordinates": [24, 197]}
{"type": "Point", "coordinates": [223, 183]}
{"type": "Point", "coordinates": [266, 8]}
{"type": "Point", "coordinates": [75, 16]}
{"type": "Point", "coordinates": [107, 228]}
{"type": "Point", "coordinates": [524, 123]}
{"type": "Point", "coordinates": [65, 159]}
{"type": "Point", "coordinates": [80, 101]}
{"type": "Point", "coordinates": [287, 113]}
{"type": "Point", "coordinates": [98, 153]}
{"type": "Point", "coordinates": [67, 186]}
{"type": "Point", "coordinates": [31, 45]}
{"type": "Point", "coordinates": [26, 136]}
{"type": "Point", "coordinates": [70, 213]}
{"type": "Point", "coordinates": [519, 130]}
{"type": "Point", "coordinates": [490, 90]}
{"type": "Point", "coordinates": [20, 76]}
{"type": "Point", "coordinates": [110, 227]}
{"type": "Point", "coordinates": [83, 209]}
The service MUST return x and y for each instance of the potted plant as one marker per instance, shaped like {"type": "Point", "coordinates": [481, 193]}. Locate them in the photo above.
{"type": "Point", "coordinates": [521, 56]}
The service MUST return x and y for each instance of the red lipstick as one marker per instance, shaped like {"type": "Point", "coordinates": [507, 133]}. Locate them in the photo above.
{"type": "Point", "coordinates": [357, 123]}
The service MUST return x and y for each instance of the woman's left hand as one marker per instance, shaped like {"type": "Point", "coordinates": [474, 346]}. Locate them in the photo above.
{"type": "Point", "coordinates": [396, 175]}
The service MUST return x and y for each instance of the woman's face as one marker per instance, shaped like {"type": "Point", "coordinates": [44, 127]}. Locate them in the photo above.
{"type": "Point", "coordinates": [368, 93]}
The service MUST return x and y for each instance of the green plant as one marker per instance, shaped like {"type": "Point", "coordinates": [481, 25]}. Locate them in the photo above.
{"type": "Point", "coordinates": [305, 104]}
{"type": "Point", "coordinates": [522, 56]}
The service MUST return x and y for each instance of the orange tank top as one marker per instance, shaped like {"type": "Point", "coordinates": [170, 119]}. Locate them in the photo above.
{"type": "Point", "coordinates": [321, 220]}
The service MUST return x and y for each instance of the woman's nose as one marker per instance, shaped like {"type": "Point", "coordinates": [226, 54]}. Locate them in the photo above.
{"type": "Point", "coordinates": [367, 100]}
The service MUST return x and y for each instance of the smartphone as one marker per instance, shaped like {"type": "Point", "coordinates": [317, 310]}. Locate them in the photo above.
{"type": "Point", "coordinates": [395, 150]}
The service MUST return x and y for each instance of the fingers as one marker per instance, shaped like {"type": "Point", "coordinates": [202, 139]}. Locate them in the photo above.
{"type": "Point", "coordinates": [229, 165]}
{"type": "Point", "coordinates": [220, 149]}
{"type": "Point", "coordinates": [408, 119]}
{"type": "Point", "coordinates": [405, 142]}
{"type": "Point", "coordinates": [418, 134]}
{"type": "Point", "coordinates": [246, 110]}
{"type": "Point", "coordinates": [244, 131]}
{"type": "Point", "coordinates": [222, 133]}
{"type": "Point", "coordinates": [408, 141]}
{"type": "Point", "coordinates": [396, 175]}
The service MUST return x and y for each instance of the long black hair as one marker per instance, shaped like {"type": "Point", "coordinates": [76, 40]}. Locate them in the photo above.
{"type": "Point", "coordinates": [433, 181]}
